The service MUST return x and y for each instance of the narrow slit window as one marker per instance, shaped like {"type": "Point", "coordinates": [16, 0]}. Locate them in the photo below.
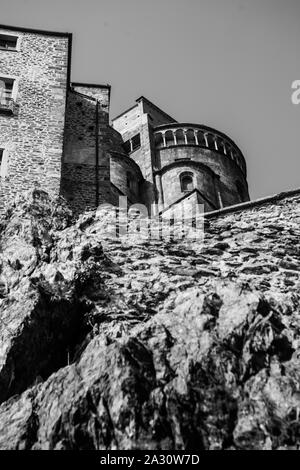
{"type": "Point", "coordinates": [128, 180]}
{"type": "Point", "coordinates": [6, 90]}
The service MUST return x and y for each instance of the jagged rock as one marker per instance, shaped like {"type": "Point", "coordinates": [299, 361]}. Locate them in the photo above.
{"type": "Point", "coordinates": [113, 343]}
{"type": "Point", "coordinates": [41, 302]}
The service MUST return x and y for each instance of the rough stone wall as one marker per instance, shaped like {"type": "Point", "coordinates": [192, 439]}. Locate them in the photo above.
{"type": "Point", "coordinates": [98, 92]}
{"type": "Point", "coordinates": [33, 137]}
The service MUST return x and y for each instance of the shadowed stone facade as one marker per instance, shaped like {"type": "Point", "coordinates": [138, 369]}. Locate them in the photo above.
{"type": "Point", "coordinates": [85, 169]}
{"type": "Point", "coordinates": [55, 134]}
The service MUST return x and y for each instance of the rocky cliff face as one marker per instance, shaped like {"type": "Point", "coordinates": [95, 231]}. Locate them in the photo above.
{"type": "Point", "coordinates": [144, 344]}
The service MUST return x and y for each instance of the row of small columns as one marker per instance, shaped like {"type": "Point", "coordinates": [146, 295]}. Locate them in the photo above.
{"type": "Point", "coordinates": [185, 131]}
{"type": "Point", "coordinates": [227, 149]}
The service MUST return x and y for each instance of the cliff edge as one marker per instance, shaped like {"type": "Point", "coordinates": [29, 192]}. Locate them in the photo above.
{"type": "Point", "coordinates": [149, 344]}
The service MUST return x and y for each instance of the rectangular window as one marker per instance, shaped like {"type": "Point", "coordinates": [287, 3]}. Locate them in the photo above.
{"type": "Point", "coordinates": [1, 156]}
{"type": "Point", "coordinates": [8, 42]}
{"type": "Point", "coordinates": [132, 144]}
{"type": "Point", "coordinates": [8, 89]}
{"type": "Point", "coordinates": [136, 142]}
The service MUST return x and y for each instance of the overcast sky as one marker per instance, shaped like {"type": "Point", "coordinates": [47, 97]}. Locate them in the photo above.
{"type": "Point", "coordinates": [228, 64]}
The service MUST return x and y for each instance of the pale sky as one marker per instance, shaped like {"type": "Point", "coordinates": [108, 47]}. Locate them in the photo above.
{"type": "Point", "coordinates": [228, 64]}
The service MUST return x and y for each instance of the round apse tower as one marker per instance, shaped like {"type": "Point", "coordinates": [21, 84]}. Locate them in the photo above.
{"type": "Point", "coordinates": [192, 157]}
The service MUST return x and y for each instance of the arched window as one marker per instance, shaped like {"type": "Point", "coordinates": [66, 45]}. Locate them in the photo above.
{"type": "Point", "coordinates": [190, 137]}
{"type": "Point", "coordinates": [169, 138]}
{"type": "Point", "coordinates": [186, 182]}
{"type": "Point", "coordinates": [180, 137]}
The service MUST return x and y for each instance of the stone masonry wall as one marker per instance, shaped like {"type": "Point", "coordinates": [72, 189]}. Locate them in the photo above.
{"type": "Point", "coordinates": [81, 185]}
{"type": "Point", "coordinates": [254, 244]}
{"type": "Point", "coordinates": [98, 92]}
{"type": "Point", "coordinates": [33, 138]}
{"type": "Point", "coordinates": [129, 124]}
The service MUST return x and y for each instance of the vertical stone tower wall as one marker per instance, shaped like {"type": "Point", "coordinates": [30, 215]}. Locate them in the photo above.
{"type": "Point", "coordinates": [89, 141]}
{"type": "Point", "coordinates": [32, 117]}
{"type": "Point", "coordinates": [139, 121]}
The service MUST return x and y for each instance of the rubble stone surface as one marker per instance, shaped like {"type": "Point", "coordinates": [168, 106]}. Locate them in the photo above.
{"type": "Point", "coordinates": [134, 343]}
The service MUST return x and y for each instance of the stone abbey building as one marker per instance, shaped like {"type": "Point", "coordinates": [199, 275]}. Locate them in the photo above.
{"type": "Point", "coordinates": [55, 134]}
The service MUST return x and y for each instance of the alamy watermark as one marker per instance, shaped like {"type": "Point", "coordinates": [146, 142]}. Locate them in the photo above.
{"type": "Point", "coordinates": [183, 221]}
{"type": "Point", "coordinates": [295, 97]}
